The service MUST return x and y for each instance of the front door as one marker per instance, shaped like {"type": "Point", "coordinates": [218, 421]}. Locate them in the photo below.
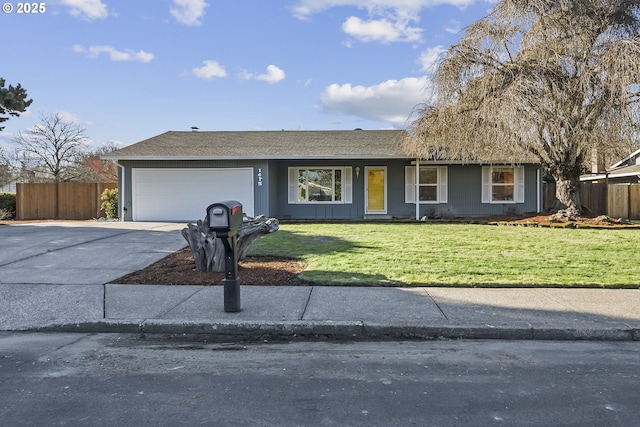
{"type": "Point", "coordinates": [376, 190]}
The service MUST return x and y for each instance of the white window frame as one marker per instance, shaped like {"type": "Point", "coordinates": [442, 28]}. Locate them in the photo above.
{"type": "Point", "coordinates": [487, 185]}
{"type": "Point", "coordinates": [441, 185]}
{"type": "Point", "coordinates": [347, 185]}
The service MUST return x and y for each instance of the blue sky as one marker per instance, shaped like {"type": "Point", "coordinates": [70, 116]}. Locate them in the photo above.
{"type": "Point", "coordinates": [127, 70]}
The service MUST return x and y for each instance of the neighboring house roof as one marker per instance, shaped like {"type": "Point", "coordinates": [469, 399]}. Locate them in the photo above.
{"type": "Point", "coordinates": [625, 172]}
{"type": "Point", "coordinates": [627, 167]}
{"type": "Point", "coordinates": [630, 160]}
{"type": "Point", "coordinates": [228, 145]}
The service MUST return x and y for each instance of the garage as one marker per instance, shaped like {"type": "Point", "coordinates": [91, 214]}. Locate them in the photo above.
{"type": "Point", "coordinates": [184, 194]}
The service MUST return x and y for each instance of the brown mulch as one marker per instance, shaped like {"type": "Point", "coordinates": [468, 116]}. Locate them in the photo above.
{"type": "Point", "coordinates": [546, 220]}
{"type": "Point", "coordinates": [178, 269]}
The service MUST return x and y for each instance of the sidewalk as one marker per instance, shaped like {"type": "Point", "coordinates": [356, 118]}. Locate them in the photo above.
{"type": "Point", "coordinates": [272, 312]}
{"type": "Point", "coordinates": [59, 287]}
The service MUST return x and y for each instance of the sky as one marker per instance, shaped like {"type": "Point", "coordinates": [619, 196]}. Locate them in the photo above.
{"type": "Point", "coordinates": [127, 70]}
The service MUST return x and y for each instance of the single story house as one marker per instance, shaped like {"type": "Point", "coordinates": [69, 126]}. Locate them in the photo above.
{"type": "Point", "coordinates": [311, 175]}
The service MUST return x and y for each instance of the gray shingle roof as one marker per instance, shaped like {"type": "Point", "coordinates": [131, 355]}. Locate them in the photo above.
{"type": "Point", "coordinates": [266, 145]}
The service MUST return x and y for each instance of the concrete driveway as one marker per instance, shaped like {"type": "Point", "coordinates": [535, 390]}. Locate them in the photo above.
{"type": "Point", "coordinates": [55, 270]}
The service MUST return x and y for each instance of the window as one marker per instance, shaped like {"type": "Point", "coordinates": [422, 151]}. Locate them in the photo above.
{"type": "Point", "coordinates": [320, 185]}
{"type": "Point", "coordinates": [502, 184]}
{"type": "Point", "coordinates": [432, 184]}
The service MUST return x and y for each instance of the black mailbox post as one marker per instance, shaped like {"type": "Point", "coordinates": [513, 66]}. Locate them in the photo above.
{"type": "Point", "coordinates": [225, 218]}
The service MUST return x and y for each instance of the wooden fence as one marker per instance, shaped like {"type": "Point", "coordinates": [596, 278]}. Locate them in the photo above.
{"type": "Point", "coordinates": [63, 200]}
{"type": "Point", "coordinates": [624, 201]}
{"type": "Point", "coordinates": [615, 200]}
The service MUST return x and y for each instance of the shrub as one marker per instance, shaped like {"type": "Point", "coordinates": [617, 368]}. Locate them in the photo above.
{"type": "Point", "coordinates": [7, 206]}
{"type": "Point", "coordinates": [109, 204]}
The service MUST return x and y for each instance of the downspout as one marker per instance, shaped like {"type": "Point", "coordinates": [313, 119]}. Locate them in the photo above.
{"type": "Point", "coordinates": [539, 189]}
{"type": "Point", "coordinates": [417, 195]}
{"type": "Point", "coordinates": [121, 193]}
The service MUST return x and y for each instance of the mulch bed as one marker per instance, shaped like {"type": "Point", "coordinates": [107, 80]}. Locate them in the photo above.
{"type": "Point", "coordinates": [179, 269]}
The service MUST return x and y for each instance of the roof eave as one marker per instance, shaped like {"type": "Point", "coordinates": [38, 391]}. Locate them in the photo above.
{"type": "Point", "coordinates": [262, 157]}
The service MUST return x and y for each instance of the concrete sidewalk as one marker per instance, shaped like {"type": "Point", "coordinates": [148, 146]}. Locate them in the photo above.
{"type": "Point", "coordinates": [55, 282]}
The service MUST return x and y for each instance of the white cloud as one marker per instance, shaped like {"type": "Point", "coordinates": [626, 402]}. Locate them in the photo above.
{"type": "Point", "coordinates": [87, 9]}
{"type": "Point", "coordinates": [273, 75]}
{"type": "Point", "coordinates": [304, 9]}
{"type": "Point", "coordinates": [189, 12]}
{"type": "Point", "coordinates": [209, 70]}
{"type": "Point", "coordinates": [453, 27]}
{"type": "Point", "coordinates": [429, 58]}
{"type": "Point", "coordinates": [114, 54]}
{"type": "Point", "coordinates": [381, 30]}
{"type": "Point", "coordinates": [68, 117]}
{"type": "Point", "coordinates": [388, 20]}
{"type": "Point", "coordinates": [392, 101]}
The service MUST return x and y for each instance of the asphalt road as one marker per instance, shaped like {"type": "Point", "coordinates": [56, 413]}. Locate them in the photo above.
{"type": "Point", "coordinates": [113, 380]}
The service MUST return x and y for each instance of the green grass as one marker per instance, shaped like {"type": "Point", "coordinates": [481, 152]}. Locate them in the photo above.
{"type": "Point", "coordinates": [414, 254]}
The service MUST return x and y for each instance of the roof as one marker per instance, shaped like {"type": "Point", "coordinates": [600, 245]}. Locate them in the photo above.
{"type": "Point", "coordinates": [627, 167]}
{"type": "Point", "coordinates": [229, 145]}
{"type": "Point", "coordinates": [630, 159]}
{"type": "Point", "coordinates": [624, 172]}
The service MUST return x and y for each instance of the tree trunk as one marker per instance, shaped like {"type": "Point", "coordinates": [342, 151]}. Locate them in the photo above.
{"type": "Point", "coordinates": [568, 196]}
{"type": "Point", "coordinates": [208, 250]}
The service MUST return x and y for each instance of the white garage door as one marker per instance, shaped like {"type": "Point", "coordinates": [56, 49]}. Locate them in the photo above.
{"type": "Point", "coordinates": [184, 194]}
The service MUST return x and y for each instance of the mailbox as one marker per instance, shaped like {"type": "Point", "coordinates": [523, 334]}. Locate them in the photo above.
{"type": "Point", "coordinates": [225, 217]}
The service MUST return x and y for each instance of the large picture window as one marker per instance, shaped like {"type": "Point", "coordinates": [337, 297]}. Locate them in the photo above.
{"type": "Point", "coordinates": [432, 184]}
{"type": "Point", "coordinates": [320, 185]}
{"type": "Point", "coordinates": [502, 184]}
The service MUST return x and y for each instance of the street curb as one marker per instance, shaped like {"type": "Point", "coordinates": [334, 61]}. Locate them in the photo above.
{"type": "Point", "coordinates": [337, 330]}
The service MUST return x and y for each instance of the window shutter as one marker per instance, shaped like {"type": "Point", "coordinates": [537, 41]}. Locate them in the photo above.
{"type": "Point", "coordinates": [519, 190]}
{"type": "Point", "coordinates": [442, 184]}
{"type": "Point", "coordinates": [347, 185]}
{"type": "Point", "coordinates": [486, 184]}
{"type": "Point", "coordinates": [410, 184]}
{"type": "Point", "coordinates": [293, 185]}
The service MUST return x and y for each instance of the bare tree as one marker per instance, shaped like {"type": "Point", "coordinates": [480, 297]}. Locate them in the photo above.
{"type": "Point", "coordinates": [554, 81]}
{"type": "Point", "coordinates": [6, 168]}
{"type": "Point", "coordinates": [54, 143]}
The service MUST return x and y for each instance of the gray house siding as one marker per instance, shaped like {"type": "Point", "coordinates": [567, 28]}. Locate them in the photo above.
{"type": "Point", "coordinates": [285, 210]}
{"type": "Point", "coordinates": [464, 193]}
{"type": "Point", "coordinates": [270, 185]}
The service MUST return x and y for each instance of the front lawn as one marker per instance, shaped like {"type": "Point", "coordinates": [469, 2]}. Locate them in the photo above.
{"type": "Point", "coordinates": [417, 254]}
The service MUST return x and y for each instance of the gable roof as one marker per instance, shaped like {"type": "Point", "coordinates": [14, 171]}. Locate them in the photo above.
{"type": "Point", "coordinates": [229, 145]}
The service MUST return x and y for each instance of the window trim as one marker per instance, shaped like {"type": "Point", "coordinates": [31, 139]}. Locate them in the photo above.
{"type": "Point", "coordinates": [441, 185]}
{"type": "Point", "coordinates": [347, 185]}
{"type": "Point", "coordinates": [518, 185]}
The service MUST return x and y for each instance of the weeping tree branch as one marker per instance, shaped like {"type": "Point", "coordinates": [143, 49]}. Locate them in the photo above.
{"type": "Point", "coordinates": [547, 81]}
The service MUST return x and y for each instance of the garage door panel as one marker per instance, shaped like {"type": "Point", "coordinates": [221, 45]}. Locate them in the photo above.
{"type": "Point", "coordinates": [184, 194]}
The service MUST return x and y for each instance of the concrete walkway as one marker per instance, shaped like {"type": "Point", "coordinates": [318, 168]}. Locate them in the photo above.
{"type": "Point", "coordinates": [53, 275]}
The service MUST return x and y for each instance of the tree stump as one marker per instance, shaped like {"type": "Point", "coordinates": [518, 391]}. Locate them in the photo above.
{"type": "Point", "coordinates": [208, 250]}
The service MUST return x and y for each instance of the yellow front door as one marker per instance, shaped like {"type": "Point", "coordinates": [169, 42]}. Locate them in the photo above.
{"type": "Point", "coordinates": [376, 198]}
